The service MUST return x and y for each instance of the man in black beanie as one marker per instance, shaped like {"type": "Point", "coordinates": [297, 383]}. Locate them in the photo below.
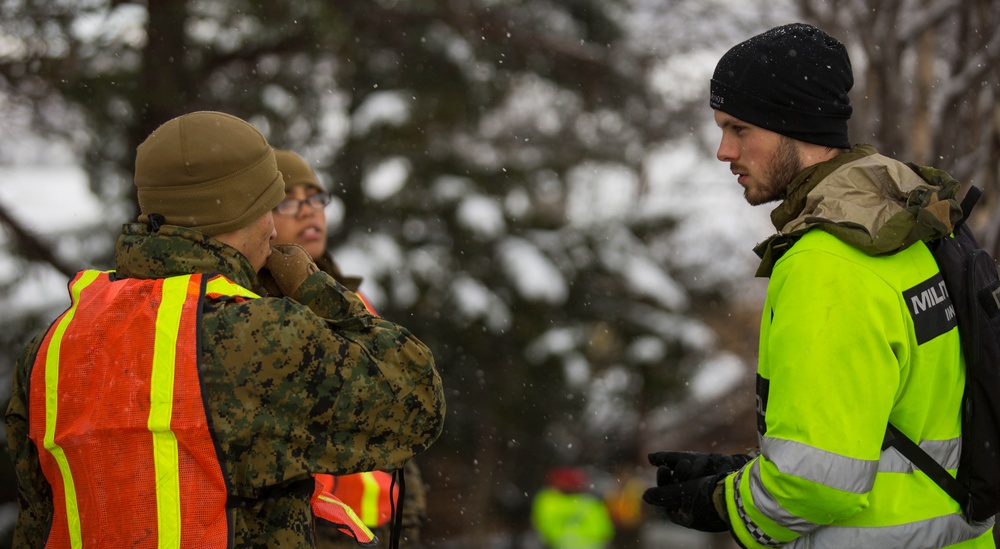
{"type": "Point", "coordinates": [850, 340]}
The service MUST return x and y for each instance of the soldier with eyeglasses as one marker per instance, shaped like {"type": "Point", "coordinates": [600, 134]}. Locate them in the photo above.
{"type": "Point", "coordinates": [301, 219]}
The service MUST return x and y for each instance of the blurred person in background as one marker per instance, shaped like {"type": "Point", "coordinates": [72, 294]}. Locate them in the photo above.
{"type": "Point", "coordinates": [566, 515]}
{"type": "Point", "coordinates": [170, 405]}
{"type": "Point", "coordinates": [301, 219]}
{"type": "Point", "coordinates": [844, 350]}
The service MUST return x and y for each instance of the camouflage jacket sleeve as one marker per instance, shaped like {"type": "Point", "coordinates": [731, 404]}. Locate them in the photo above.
{"type": "Point", "coordinates": [320, 386]}
{"type": "Point", "coordinates": [34, 495]}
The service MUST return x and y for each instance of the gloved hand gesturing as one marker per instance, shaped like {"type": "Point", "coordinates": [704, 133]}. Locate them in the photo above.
{"type": "Point", "coordinates": [686, 483]}
{"type": "Point", "coordinates": [689, 503]}
{"type": "Point", "coordinates": [290, 265]}
{"type": "Point", "coordinates": [676, 467]}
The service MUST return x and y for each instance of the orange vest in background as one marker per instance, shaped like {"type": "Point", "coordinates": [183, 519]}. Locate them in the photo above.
{"type": "Point", "coordinates": [369, 495]}
{"type": "Point", "coordinates": [118, 418]}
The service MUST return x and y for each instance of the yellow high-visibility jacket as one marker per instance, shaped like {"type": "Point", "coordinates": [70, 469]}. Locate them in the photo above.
{"type": "Point", "coordinates": [849, 342]}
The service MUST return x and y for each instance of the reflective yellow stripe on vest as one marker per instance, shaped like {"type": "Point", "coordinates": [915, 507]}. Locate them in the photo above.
{"type": "Point", "coordinates": [52, 409]}
{"type": "Point", "coordinates": [369, 499]}
{"type": "Point", "coordinates": [220, 285]}
{"type": "Point", "coordinates": [165, 453]}
{"type": "Point", "coordinates": [346, 509]}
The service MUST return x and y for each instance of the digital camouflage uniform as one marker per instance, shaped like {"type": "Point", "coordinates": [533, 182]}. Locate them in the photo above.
{"type": "Point", "coordinates": [291, 389]}
{"type": "Point", "coordinates": [414, 506]}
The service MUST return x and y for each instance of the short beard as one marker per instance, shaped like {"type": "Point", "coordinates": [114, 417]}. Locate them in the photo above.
{"type": "Point", "coordinates": [785, 164]}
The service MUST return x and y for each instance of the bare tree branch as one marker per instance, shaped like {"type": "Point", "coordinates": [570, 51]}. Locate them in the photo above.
{"type": "Point", "coordinates": [976, 65]}
{"type": "Point", "coordinates": [923, 20]}
{"type": "Point", "coordinates": [31, 245]}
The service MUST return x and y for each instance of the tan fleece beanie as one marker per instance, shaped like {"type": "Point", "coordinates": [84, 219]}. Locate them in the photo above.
{"type": "Point", "coordinates": [296, 171]}
{"type": "Point", "coordinates": [208, 171]}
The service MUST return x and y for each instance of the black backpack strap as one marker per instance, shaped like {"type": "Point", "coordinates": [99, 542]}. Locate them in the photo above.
{"type": "Point", "coordinates": [923, 461]}
{"type": "Point", "coordinates": [971, 198]}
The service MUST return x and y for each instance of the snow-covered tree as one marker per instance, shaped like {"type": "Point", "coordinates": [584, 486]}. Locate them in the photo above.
{"type": "Point", "coordinates": [529, 186]}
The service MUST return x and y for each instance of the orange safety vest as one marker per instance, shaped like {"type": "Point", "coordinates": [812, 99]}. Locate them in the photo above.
{"type": "Point", "coordinates": [119, 421]}
{"type": "Point", "coordinates": [367, 493]}
{"type": "Point", "coordinates": [116, 383]}
{"type": "Point", "coordinates": [327, 504]}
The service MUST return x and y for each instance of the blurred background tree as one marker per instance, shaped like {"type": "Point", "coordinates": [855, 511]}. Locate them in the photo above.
{"type": "Point", "coordinates": [508, 180]}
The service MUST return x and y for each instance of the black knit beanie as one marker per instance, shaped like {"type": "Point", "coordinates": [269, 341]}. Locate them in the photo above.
{"type": "Point", "coordinates": [792, 80]}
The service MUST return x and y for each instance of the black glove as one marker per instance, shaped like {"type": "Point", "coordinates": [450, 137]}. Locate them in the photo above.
{"type": "Point", "coordinates": [689, 503]}
{"type": "Point", "coordinates": [677, 467]}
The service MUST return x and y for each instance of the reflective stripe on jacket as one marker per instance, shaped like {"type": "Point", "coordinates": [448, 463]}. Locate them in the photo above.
{"type": "Point", "coordinates": [119, 421]}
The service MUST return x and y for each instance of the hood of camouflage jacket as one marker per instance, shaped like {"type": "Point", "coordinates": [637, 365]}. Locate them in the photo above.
{"type": "Point", "coordinates": [174, 251]}
{"type": "Point", "coordinates": [872, 202]}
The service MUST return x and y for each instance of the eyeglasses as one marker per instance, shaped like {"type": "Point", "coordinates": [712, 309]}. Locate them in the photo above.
{"type": "Point", "coordinates": [292, 206]}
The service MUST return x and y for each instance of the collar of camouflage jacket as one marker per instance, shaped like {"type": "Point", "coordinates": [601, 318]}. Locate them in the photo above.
{"type": "Point", "coordinates": [872, 202]}
{"type": "Point", "coordinates": [174, 251]}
